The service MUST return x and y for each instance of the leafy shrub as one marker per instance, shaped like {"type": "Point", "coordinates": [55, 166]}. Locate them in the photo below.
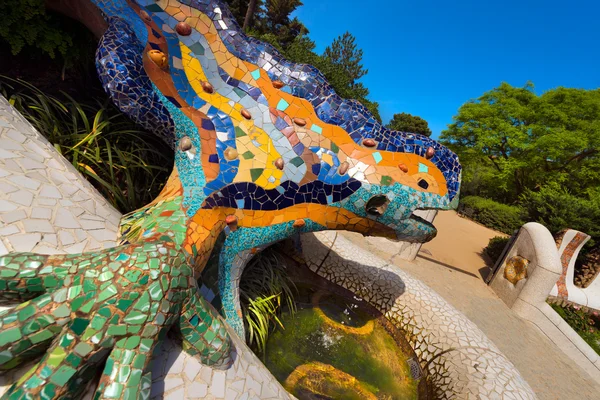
{"type": "Point", "coordinates": [28, 24]}
{"type": "Point", "coordinates": [582, 322]}
{"type": "Point", "coordinates": [494, 215]}
{"type": "Point", "coordinates": [558, 209]}
{"type": "Point", "coordinates": [266, 289]}
{"type": "Point", "coordinates": [495, 247]}
{"type": "Point", "coordinates": [126, 164]}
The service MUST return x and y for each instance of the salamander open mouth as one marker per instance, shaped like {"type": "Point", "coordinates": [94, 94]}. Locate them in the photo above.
{"type": "Point", "coordinates": [421, 220]}
{"type": "Point", "coordinates": [422, 230]}
{"type": "Point", "coordinates": [414, 229]}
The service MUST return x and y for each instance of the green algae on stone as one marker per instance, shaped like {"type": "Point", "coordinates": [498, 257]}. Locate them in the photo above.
{"type": "Point", "coordinates": [373, 359]}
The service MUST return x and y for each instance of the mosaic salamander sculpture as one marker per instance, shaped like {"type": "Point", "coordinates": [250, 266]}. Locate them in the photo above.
{"type": "Point", "coordinates": [265, 149]}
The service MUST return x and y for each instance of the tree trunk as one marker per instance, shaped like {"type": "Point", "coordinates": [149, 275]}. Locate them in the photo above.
{"type": "Point", "coordinates": [518, 183]}
{"type": "Point", "coordinates": [249, 14]}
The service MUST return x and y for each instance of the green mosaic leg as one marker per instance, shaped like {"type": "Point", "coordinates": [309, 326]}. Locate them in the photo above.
{"type": "Point", "coordinates": [65, 369]}
{"type": "Point", "coordinates": [204, 333]}
{"type": "Point", "coordinates": [115, 304]}
{"type": "Point", "coordinates": [26, 275]}
{"type": "Point", "coordinates": [27, 330]}
{"type": "Point", "coordinates": [127, 373]}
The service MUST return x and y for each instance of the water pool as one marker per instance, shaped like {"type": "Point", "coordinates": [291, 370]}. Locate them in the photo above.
{"type": "Point", "coordinates": [334, 348]}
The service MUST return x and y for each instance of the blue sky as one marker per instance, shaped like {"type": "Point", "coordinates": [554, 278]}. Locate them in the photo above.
{"type": "Point", "coordinates": [427, 58]}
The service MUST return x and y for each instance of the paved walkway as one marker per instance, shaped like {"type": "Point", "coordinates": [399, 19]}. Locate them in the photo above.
{"type": "Point", "coordinates": [459, 280]}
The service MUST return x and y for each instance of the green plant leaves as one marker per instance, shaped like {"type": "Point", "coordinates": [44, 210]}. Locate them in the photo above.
{"type": "Point", "coordinates": [538, 152]}
{"type": "Point", "coordinates": [495, 215]}
{"type": "Point", "coordinates": [126, 164]}
{"type": "Point", "coordinates": [265, 288]}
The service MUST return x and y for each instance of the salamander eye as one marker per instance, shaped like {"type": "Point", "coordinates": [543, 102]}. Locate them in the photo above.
{"type": "Point", "coordinates": [423, 184]}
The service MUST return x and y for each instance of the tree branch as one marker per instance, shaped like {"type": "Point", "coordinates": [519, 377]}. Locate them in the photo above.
{"type": "Point", "coordinates": [577, 157]}
{"type": "Point", "coordinates": [495, 163]}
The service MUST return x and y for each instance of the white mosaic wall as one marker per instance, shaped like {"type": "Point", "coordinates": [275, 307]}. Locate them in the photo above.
{"type": "Point", "coordinates": [177, 375]}
{"type": "Point", "coordinates": [45, 204]}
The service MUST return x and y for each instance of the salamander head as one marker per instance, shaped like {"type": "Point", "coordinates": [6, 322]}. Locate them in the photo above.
{"type": "Point", "coordinates": [404, 173]}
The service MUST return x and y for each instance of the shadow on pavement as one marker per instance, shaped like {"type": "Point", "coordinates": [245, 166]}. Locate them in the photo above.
{"type": "Point", "coordinates": [448, 266]}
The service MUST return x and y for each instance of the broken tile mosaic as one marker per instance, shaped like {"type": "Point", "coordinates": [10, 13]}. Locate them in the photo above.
{"type": "Point", "coordinates": [265, 149]}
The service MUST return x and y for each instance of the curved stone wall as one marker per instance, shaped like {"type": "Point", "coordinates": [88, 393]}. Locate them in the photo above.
{"type": "Point", "coordinates": [460, 361]}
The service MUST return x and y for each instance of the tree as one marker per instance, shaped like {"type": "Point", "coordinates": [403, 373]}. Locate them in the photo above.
{"type": "Point", "coordinates": [240, 9]}
{"type": "Point", "coordinates": [278, 12]}
{"type": "Point", "coordinates": [278, 22]}
{"type": "Point", "coordinates": [511, 140]}
{"type": "Point", "coordinates": [342, 66]}
{"type": "Point", "coordinates": [557, 209]}
{"type": "Point", "coordinates": [269, 17]}
{"type": "Point", "coordinates": [405, 122]}
{"type": "Point", "coordinates": [539, 152]}
{"type": "Point", "coordinates": [345, 53]}
{"type": "Point", "coordinates": [26, 23]}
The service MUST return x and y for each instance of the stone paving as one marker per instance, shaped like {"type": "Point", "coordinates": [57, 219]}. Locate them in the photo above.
{"type": "Point", "coordinates": [548, 371]}
{"type": "Point", "coordinates": [177, 375]}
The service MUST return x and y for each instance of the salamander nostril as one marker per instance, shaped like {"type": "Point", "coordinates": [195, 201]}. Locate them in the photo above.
{"type": "Point", "coordinates": [423, 184]}
{"type": "Point", "coordinates": [377, 205]}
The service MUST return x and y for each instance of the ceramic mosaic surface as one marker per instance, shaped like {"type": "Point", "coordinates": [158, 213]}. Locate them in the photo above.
{"type": "Point", "coordinates": [175, 373]}
{"type": "Point", "coordinates": [45, 206]}
{"type": "Point", "coordinates": [264, 149]}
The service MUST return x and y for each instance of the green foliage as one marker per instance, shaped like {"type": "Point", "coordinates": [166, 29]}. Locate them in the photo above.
{"type": "Point", "coordinates": [515, 140]}
{"type": "Point", "coordinates": [341, 63]}
{"type": "Point", "coordinates": [278, 20]}
{"type": "Point", "coordinates": [498, 216]}
{"type": "Point", "coordinates": [585, 324]}
{"type": "Point", "coordinates": [24, 22]}
{"type": "Point", "coordinates": [239, 7]}
{"type": "Point", "coordinates": [27, 24]}
{"type": "Point", "coordinates": [404, 122]}
{"type": "Point", "coordinates": [539, 151]}
{"type": "Point", "coordinates": [265, 288]}
{"type": "Point", "coordinates": [340, 72]}
{"type": "Point", "coordinates": [344, 52]}
{"type": "Point", "coordinates": [126, 164]}
{"type": "Point", "coordinates": [557, 208]}
{"type": "Point", "coordinates": [269, 17]}
{"type": "Point", "coordinates": [495, 247]}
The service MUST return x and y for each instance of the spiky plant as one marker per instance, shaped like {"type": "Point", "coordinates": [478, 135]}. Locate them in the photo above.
{"type": "Point", "coordinates": [265, 290]}
{"type": "Point", "coordinates": [126, 164]}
